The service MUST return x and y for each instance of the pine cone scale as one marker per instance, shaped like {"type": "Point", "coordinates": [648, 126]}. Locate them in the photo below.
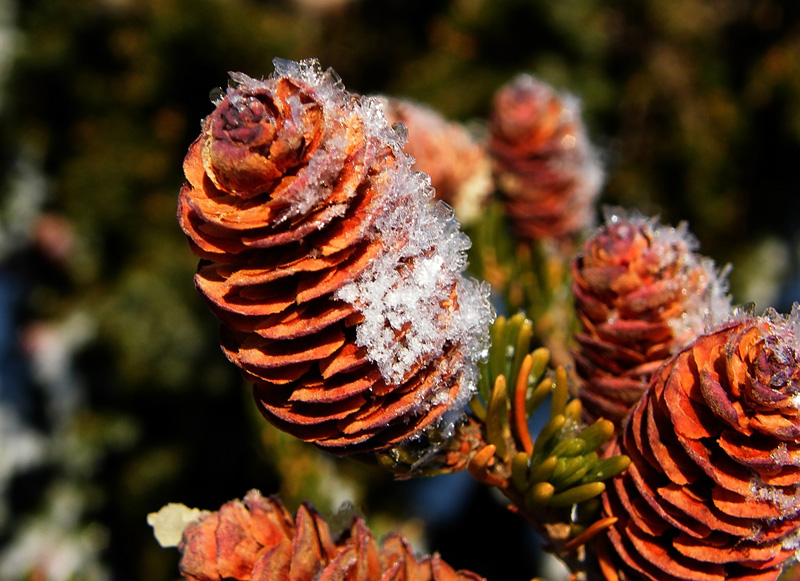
{"type": "Point", "coordinates": [257, 352]}
{"type": "Point", "coordinates": [309, 319]}
{"type": "Point", "coordinates": [305, 414]}
{"type": "Point", "coordinates": [324, 283]}
{"type": "Point", "coordinates": [342, 388]}
{"type": "Point", "coordinates": [670, 561]}
{"type": "Point", "coordinates": [666, 450]}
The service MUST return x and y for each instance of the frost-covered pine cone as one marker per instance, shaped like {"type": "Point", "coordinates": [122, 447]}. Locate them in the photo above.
{"type": "Point", "coordinates": [712, 491]}
{"type": "Point", "coordinates": [257, 538]}
{"type": "Point", "coordinates": [458, 165]}
{"type": "Point", "coordinates": [337, 281]}
{"type": "Point", "coordinates": [641, 294]}
{"type": "Point", "coordinates": [546, 171]}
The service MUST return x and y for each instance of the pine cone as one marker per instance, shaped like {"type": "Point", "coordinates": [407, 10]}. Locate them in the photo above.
{"type": "Point", "coordinates": [641, 294]}
{"type": "Point", "coordinates": [257, 539]}
{"type": "Point", "coordinates": [712, 491]}
{"type": "Point", "coordinates": [458, 165]}
{"type": "Point", "coordinates": [545, 168]}
{"type": "Point", "coordinates": [337, 282]}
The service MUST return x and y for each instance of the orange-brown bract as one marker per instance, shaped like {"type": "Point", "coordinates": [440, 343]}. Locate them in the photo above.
{"type": "Point", "coordinates": [337, 282]}
{"type": "Point", "coordinates": [257, 538]}
{"type": "Point", "coordinates": [712, 491]}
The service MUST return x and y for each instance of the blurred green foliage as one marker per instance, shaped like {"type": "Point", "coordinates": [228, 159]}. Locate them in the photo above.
{"type": "Point", "coordinates": [695, 105]}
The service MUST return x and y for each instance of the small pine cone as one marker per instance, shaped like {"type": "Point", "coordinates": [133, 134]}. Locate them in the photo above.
{"type": "Point", "coordinates": [258, 539]}
{"type": "Point", "coordinates": [712, 491]}
{"type": "Point", "coordinates": [458, 165]}
{"type": "Point", "coordinates": [545, 168]}
{"type": "Point", "coordinates": [337, 281]}
{"type": "Point", "coordinates": [641, 295]}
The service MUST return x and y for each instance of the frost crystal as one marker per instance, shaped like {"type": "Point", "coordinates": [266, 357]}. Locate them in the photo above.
{"type": "Point", "coordinates": [702, 310]}
{"type": "Point", "coordinates": [414, 298]}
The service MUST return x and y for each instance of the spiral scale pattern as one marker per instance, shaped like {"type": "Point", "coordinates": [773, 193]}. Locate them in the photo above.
{"type": "Point", "coordinates": [641, 294]}
{"type": "Point", "coordinates": [337, 281]}
{"type": "Point", "coordinates": [712, 491]}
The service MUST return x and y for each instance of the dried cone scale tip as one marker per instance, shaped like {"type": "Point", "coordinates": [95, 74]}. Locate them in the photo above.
{"type": "Point", "coordinates": [545, 168]}
{"type": "Point", "coordinates": [458, 165]}
{"type": "Point", "coordinates": [258, 539]}
{"type": "Point", "coordinates": [641, 294]}
{"type": "Point", "coordinates": [712, 491]}
{"type": "Point", "coordinates": [337, 281]}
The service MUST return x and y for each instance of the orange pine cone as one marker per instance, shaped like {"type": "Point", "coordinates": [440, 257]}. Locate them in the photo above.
{"type": "Point", "coordinates": [458, 165]}
{"type": "Point", "coordinates": [641, 294]}
{"type": "Point", "coordinates": [258, 539]}
{"type": "Point", "coordinates": [337, 282]}
{"type": "Point", "coordinates": [712, 491]}
{"type": "Point", "coordinates": [545, 168]}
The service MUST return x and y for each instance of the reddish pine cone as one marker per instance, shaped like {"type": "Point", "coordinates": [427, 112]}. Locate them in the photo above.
{"type": "Point", "coordinates": [641, 295]}
{"type": "Point", "coordinates": [337, 282]}
{"type": "Point", "coordinates": [545, 168]}
{"type": "Point", "coordinates": [258, 539]}
{"type": "Point", "coordinates": [712, 491]}
{"type": "Point", "coordinates": [458, 165]}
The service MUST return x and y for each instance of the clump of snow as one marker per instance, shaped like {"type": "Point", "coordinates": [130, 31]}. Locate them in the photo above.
{"type": "Point", "coordinates": [414, 297]}
{"type": "Point", "coordinates": [785, 499]}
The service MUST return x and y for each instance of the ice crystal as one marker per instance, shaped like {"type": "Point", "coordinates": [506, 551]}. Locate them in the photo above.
{"type": "Point", "coordinates": [406, 295]}
{"type": "Point", "coordinates": [787, 502]}
{"type": "Point", "coordinates": [703, 310]}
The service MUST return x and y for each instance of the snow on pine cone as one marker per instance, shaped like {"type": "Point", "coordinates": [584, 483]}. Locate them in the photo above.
{"type": "Point", "coordinates": [337, 281]}
{"type": "Point", "coordinates": [641, 294]}
{"type": "Point", "coordinates": [458, 165]}
{"type": "Point", "coordinates": [546, 171]}
{"type": "Point", "coordinates": [712, 490]}
{"type": "Point", "coordinates": [257, 538]}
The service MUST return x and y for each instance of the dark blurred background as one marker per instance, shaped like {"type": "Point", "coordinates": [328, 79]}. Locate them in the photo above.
{"type": "Point", "coordinates": [114, 396]}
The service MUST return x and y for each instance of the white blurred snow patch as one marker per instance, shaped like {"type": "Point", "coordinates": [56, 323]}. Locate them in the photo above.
{"type": "Point", "coordinates": [55, 545]}
{"type": "Point", "coordinates": [170, 521]}
{"type": "Point", "coordinates": [51, 348]}
{"type": "Point", "coordinates": [21, 448]}
{"type": "Point", "coordinates": [23, 196]}
{"type": "Point", "coordinates": [552, 568]}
